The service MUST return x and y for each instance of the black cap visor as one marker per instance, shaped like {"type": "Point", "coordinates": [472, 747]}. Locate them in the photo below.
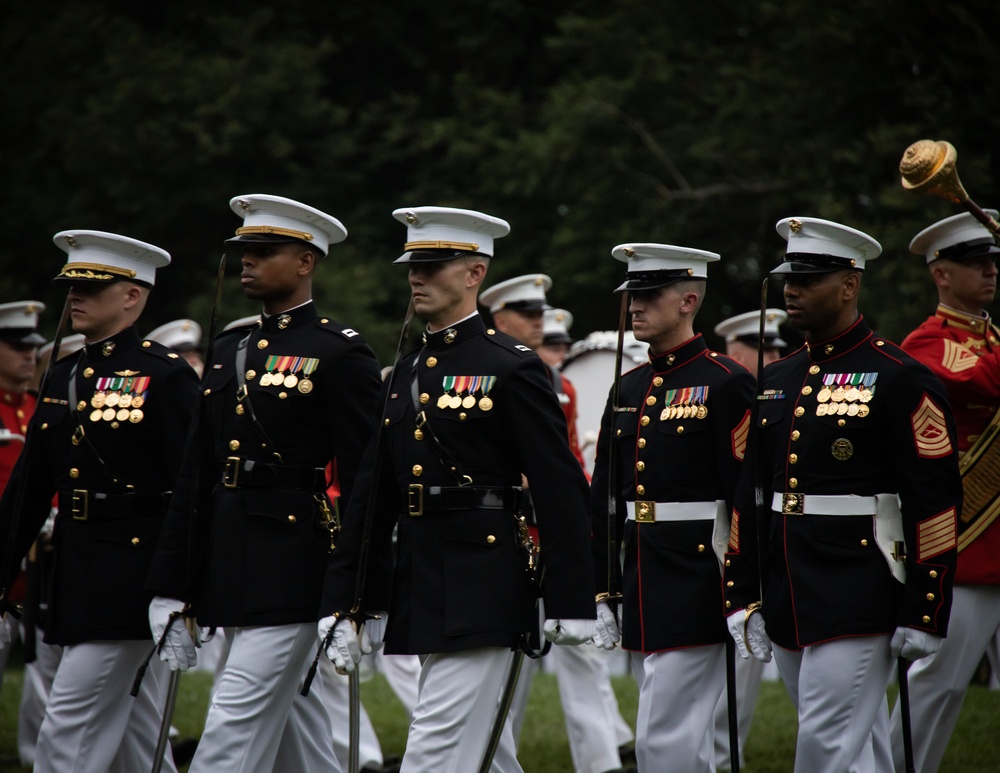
{"type": "Point", "coordinates": [806, 263]}
{"type": "Point", "coordinates": [234, 245]}
{"type": "Point", "coordinates": [971, 252]}
{"type": "Point", "coordinates": [433, 256]}
{"type": "Point", "coordinates": [26, 336]}
{"type": "Point", "coordinates": [528, 307]}
{"type": "Point", "coordinates": [654, 280]}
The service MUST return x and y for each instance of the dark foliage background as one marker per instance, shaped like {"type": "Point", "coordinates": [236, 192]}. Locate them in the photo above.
{"type": "Point", "coordinates": [583, 123]}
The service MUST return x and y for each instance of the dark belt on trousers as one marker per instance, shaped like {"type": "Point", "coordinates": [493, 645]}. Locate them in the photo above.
{"type": "Point", "coordinates": [247, 473]}
{"type": "Point", "coordinates": [423, 500]}
{"type": "Point", "coordinates": [86, 505]}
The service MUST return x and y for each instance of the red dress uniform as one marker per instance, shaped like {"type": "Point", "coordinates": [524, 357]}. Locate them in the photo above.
{"type": "Point", "coordinates": [15, 411]}
{"type": "Point", "coordinates": [963, 351]}
{"type": "Point", "coordinates": [568, 402]}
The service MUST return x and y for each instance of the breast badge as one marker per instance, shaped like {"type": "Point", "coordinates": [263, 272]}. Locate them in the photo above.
{"type": "Point", "coordinates": [283, 372]}
{"type": "Point", "coordinates": [460, 392]}
{"type": "Point", "coordinates": [842, 449]}
{"type": "Point", "coordinates": [685, 403]}
{"type": "Point", "coordinates": [846, 394]}
{"type": "Point", "coordinates": [118, 397]}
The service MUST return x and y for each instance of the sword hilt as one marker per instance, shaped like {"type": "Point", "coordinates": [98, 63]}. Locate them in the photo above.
{"type": "Point", "coordinates": [358, 618]}
{"type": "Point", "coordinates": [141, 671]}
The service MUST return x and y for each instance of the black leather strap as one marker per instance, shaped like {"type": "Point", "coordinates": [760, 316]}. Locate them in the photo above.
{"type": "Point", "coordinates": [423, 422]}
{"type": "Point", "coordinates": [80, 434]}
{"type": "Point", "coordinates": [237, 472]}
{"type": "Point", "coordinates": [423, 500]}
{"type": "Point", "coordinates": [243, 395]}
{"type": "Point", "coordinates": [85, 505]}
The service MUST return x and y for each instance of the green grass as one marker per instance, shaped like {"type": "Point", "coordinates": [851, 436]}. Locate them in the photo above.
{"type": "Point", "coordinates": [975, 748]}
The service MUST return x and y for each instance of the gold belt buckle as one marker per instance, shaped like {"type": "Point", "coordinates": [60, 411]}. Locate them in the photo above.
{"type": "Point", "coordinates": [78, 504]}
{"type": "Point", "coordinates": [645, 512]}
{"type": "Point", "coordinates": [232, 472]}
{"type": "Point", "coordinates": [791, 504]}
{"type": "Point", "coordinates": [415, 499]}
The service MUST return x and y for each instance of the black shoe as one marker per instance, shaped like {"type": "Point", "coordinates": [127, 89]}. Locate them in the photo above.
{"type": "Point", "coordinates": [627, 769]}
{"type": "Point", "coordinates": [627, 754]}
{"type": "Point", "coordinates": [184, 749]}
{"type": "Point", "coordinates": [389, 765]}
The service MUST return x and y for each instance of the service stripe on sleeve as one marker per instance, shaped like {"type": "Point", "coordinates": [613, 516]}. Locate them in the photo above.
{"type": "Point", "coordinates": [936, 535]}
{"type": "Point", "coordinates": [734, 532]}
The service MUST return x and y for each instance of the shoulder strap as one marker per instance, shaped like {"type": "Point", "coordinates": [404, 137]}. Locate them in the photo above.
{"type": "Point", "coordinates": [423, 424]}
{"type": "Point", "coordinates": [79, 435]}
{"type": "Point", "coordinates": [243, 397]}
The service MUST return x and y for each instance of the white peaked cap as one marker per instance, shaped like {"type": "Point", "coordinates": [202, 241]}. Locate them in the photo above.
{"type": "Point", "coordinates": [522, 293]}
{"type": "Point", "coordinates": [98, 256]}
{"type": "Point", "coordinates": [279, 220]}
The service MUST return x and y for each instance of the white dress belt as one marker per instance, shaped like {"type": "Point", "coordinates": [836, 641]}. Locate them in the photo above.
{"type": "Point", "coordinates": [819, 504]}
{"type": "Point", "coordinates": [652, 512]}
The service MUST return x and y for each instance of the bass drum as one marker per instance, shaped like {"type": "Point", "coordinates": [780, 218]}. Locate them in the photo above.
{"type": "Point", "coordinates": [590, 366]}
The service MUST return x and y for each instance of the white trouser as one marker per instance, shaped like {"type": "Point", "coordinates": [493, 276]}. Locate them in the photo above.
{"type": "Point", "coordinates": [38, 678]}
{"type": "Point", "coordinates": [15, 631]}
{"type": "Point", "coordinates": [678, 690]}
{"type": "Point", "coordinates": [336, 697]}
{"type": "Point", "coordinates": [459, 693]}
{"type": "Point", "coordinates": [593, 722]}
{"type": "Point", "coordinates": [402, 672]}
{"type": "Point", "coordinates": [519, 705]}
{"type": "Point", "coordinates": [257, 721]}
{"type": "Point", "coordinates": [838, 689]}
{"type": "Point", "coordinates": [91, 722]}
{"type": "Point", "coordinates": [589, 705]}
{"type": "Point", "coordinates": [938, 682]}
{"type": "Point", "coordinates": [748, 675]}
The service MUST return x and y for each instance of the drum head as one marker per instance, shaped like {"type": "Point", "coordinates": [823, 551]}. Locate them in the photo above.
{"type": "Point", "coordinates": [590, 366]}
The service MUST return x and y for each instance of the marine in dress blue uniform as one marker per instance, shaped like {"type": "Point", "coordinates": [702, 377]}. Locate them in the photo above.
{"type": "Point", "coordinates": [106, 438]}
{"type": "Point", "coordinates": [859, 464]}
{"type": "Point", "coordinates": [743, 342]}
{"type": "Point", "coordinates": [519, 308]}
{"type": "Point", "coordinates": [467, 413]}
{"type": "Point", "coordinates": [249, 532]}
{"type": "Point", "coordinates": [677, 435]}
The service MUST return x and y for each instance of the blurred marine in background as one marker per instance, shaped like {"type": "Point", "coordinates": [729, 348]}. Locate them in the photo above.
{"type": "Point", "coordinates": [961, 345]}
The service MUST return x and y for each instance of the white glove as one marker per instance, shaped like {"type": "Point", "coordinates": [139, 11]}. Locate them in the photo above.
{"type": "Point", "coordinates": [913, 644]}
{"type": "Point", "coordinates": [373, 633]}
{"type": "Point", "coordinates": [5, 634]}
{"type": "Point", "coordinates": [750, 633]}
{"type": "Point", "coordinates": [344, 648]}
{"type": "Point", "coordinates": [606, 631]}
{"type": "Point", "coordinates": [559, 631]}
{"type": "Point", "coordinates": [178, 647]}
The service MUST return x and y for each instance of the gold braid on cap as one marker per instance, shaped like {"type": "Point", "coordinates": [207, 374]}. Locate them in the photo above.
{"type": "Point", "coordinates": [439, 245]}
{"type": "Point", "coordinates": [95, 271]}
{"type": "Point", "coordinates": [273, 229]}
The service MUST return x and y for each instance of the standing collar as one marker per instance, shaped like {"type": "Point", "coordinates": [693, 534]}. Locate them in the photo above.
{"type": "Point", "coordinates": [291, 318]}
{"type": "Point", "coordinates": [679, 355]}
{"type": "Point", "coordinates": [455, 334]}
{"type": "Point", "coordinates": [124, 341]}
{"type": "Point", "coordinates": [841, 344]}
{"type": "Point", "coordinates": [12, 398]}
{"type": "Point", "coordinates": [976, 323]}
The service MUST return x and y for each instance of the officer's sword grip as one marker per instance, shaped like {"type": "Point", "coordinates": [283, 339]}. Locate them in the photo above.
{"type": "Point", "coordinates": [141, 671]}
